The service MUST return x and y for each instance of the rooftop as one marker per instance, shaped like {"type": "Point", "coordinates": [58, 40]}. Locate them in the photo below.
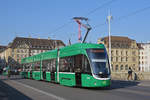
{"type": "Point", "coordinates": [32, 42]}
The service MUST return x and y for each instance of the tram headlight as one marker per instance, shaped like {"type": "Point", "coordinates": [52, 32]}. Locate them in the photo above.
{"type": "Point", "coordinates": [104, 82]}
{"type": "Point", "coordinates": [100, 72]}
{"type": "Point", "coordinates": [88, 77]}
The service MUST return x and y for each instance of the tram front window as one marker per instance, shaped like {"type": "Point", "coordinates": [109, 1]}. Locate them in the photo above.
{"type": "Point", "coordinates": [99, 62]}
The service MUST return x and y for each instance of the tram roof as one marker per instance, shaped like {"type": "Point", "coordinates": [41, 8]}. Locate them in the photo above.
{"type": "Point", "coordinates": [65, 51]}
{"type": "Point", "coordinates": [83, 46]}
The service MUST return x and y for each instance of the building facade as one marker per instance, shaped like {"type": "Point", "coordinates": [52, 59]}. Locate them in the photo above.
{"type": "Point", "coordinates": [144, 57]}
{"type": "Point", "coordinates": [2, 61]}
{"type": "Point", "coordinates": [124, 53]}
{"type": "Point", "coordinates": [23, 47]}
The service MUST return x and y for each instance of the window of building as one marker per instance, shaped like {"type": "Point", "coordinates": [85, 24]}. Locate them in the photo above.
{"type": "Point", "coordinates": [134, 59]}
{"type": "Point", "coordinates": [121, 52]}
{"type": "Point", "coordinates": [121, 67]}
{"type": "Point", "coordinates": [33, 51]}
{"type": "Point", "coordinates": [116, 52]}
{"type": "Point", "coordinates": [112, 59]}
{"type": "Point", "coordinates": [22, 51]}
{"type": "Point", "coordinates": [118, 45]}
{"type": "Point", "coordinates": [116, 59]}
{"type": "Point", "coordinates": [121, 59]}
{"type": "Point", "coordinates": [126, 67]}
{"type": "Point", "coordinates": [112, 67]}
{"type": "Point", "coordinates": [112, 52]}
{"type": "Point", "coordinates": [126, 53]}
{"type": "Point", "coordinates": [18, 51]}
{"type": "Point", "coordinates": [18, 55]}
{"type": "Point", "coordinates": [12, 50]}
{"type": "Point", "coordinates": [134, 53]}
{"type": "Point", "coordinates": [116, 68]}
{"type": "Point", "coordinates": [126, 59]}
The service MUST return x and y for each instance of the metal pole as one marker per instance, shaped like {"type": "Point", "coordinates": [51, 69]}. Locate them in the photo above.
{"type": "Point", "coordinates": [109, 19]}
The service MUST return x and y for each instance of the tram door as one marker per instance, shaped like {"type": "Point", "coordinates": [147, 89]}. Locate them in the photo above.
{"type": "Point", "coordinates": [31, 74]}
{"type": "Point", "coordinates": [78, 68]}
{"type": "Point", "coordinates": [44, 75]}
{"type": "Point", "coordinates": [52, 76]}
{"type": "Point", "coordinates": [53, 70]}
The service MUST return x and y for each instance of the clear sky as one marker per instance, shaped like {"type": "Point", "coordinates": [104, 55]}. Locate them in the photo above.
{"type": "Point", "coordinates": [43, 18]}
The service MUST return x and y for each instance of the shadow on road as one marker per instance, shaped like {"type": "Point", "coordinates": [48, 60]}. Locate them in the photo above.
{"type": "Point", "coordinates": [117, 84]}
{"type": "Point", "coordinates": [9, 93]}
{"type": "Point", "coordinates": [123, 84]}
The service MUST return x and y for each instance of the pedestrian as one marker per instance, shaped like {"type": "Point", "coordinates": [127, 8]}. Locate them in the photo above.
{"type": "Point", "coordinates": [8, 73]}
{"type": "Point", "coordinates": [129, 73]}
{"type": "Point", "coordinates": [135, 76]}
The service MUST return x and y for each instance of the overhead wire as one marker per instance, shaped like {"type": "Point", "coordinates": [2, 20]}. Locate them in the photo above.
{"type": "Point", "coordinates": [60, 27]}
{"type": "Point", "coordinates": [92, 11]}
{"type": "Point", "coordinates": [133, 13]}
{"type": "Point", "coordinates": [125, 16]}
{"type": "Point", "coordinates": [101, 6]}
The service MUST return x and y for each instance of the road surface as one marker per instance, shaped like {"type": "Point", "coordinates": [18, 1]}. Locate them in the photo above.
{"type": "Point", "coordinates": [17, 88]}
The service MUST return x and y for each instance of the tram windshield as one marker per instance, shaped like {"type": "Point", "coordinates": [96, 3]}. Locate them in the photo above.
{"type": "Point", "coordinates": [99, 62]}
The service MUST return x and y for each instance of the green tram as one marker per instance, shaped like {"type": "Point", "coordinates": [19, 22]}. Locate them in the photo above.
{"type": "Point", "coordinates": [81, 64]}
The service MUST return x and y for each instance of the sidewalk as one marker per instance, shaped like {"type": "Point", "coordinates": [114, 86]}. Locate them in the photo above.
{"type": "Point", "coordinates": [145, 83]}
{"type": "Point", "coordinates": [9, 93]}
{"type": "Point", "coordinates": [2, 77]}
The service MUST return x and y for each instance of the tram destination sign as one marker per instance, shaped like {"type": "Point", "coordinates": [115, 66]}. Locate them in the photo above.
{"type": "Point", "coordinates": [97, 50]}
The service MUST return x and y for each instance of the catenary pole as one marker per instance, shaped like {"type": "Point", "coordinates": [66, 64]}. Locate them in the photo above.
{"type": "Point", "coordinates": [109, 18]}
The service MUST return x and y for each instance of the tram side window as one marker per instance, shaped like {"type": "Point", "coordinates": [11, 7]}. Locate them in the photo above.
{"type": "Point", "coordinates": [46, 65]}
{"type": "Point", "coordinates": [53, 65]}
{"type": "Point", "coordinates": [64, 65]}
{"type": "Point", "coordinates": [28, 67]}
{"type": "Point", "coordinates": [23, 67]}
{"type": "Point", "coordinates": [86, 65]}
{"type": "Point", "coordinates": [77, 63]}
{"type": "Point", "coordinates": [82, 64]}
{"type": "Point", "coordinates": [37, 66]}
{"type": "Point", "coordinates": [49, 65]}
